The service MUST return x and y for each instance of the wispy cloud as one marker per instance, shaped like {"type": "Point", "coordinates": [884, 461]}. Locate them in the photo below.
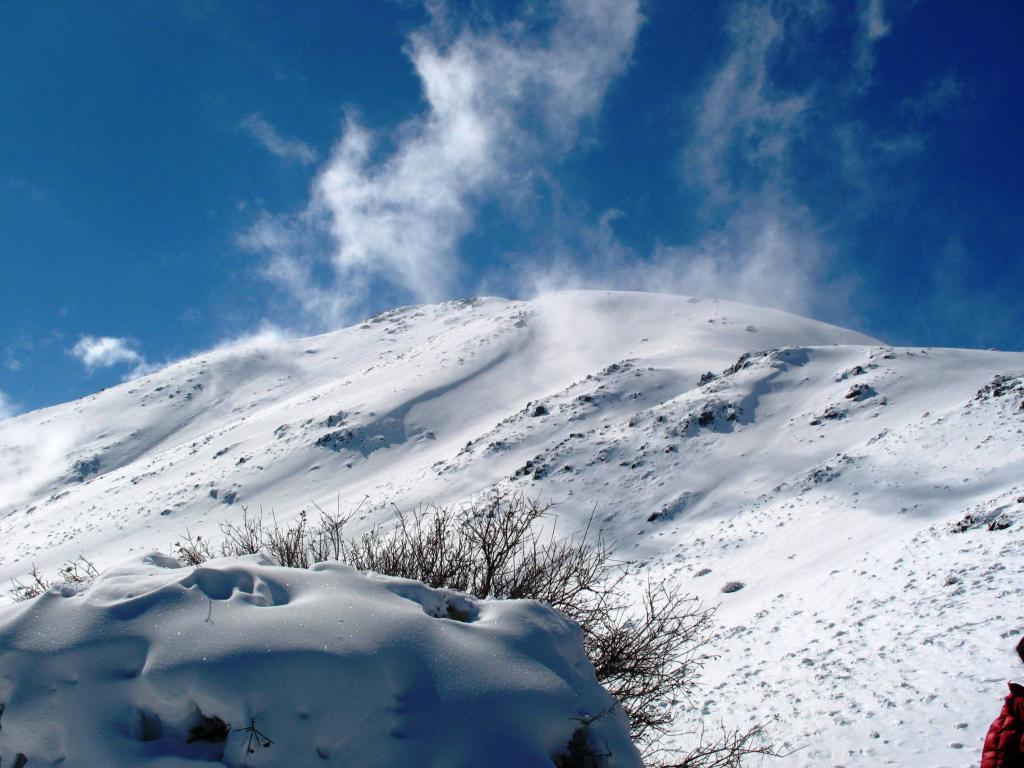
{"type": "Point", "coordinates": [758, 243]}
{"type": "Point", "coordinates": [769, 255]}
{"type": "Point", "coordinates": [95, 352]}
{"type": "Point", "coordinates": [109, 351]}
{"type": "Point", "coordinates": [873, 27]}
{"type": "Point", "coordinates": [936, 100]}
{"type": "Point", "coordinates": [387, 213]}
{"type": "Point", "coordinates": [266, 336]}
{"type": "Point", "coordinates": [763, 245]}
{"type": "Point", "coordinates": [743, 127]}
{"type": "Point", "coordinates": [275, 143]}
{"type": "Point", "coordinates": [498, 101]}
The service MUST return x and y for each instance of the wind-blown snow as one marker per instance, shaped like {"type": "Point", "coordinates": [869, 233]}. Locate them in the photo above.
{"type": "Point", "coordinates": [333, 667]}
{"type": "Point", "coordinates": [847, 485]}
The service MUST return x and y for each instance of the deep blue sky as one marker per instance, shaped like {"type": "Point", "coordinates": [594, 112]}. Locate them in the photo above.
{"type": "Point", "coordinates": [176, 174]}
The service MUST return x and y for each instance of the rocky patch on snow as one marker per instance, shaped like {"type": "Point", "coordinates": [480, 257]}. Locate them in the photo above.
{"type": "Point", "coordinates": [1003, 388]}
{"type": "Point", "coordinates": [85, 467]}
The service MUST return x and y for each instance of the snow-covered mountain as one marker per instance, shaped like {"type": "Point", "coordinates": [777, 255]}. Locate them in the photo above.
{"type": "Point", "coordinates": [863, 503]}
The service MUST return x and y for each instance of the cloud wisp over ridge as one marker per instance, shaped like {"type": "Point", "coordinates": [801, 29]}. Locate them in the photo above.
{"type": "Point", "coordinates": [783, 163]}
{"type": "Point", "coordinates": [107, 352]}
{"type": "Point", "coordinates": [758, 243]}
{"type": "Point", "coordinates": [766, 248]}
{"type": "Point", "coordinates": [499, 101]}
{"type": "Point", "coordinates": [500, 104]}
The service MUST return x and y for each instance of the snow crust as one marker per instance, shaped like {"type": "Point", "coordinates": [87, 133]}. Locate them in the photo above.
{"type": "Point", "coordinates": [333, 667]}
{"type": "Point", "coordinates": [867, 500]}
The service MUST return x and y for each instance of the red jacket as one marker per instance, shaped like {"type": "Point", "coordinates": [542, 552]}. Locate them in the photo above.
{"type": "Point", "coordinates": [1004, 745]}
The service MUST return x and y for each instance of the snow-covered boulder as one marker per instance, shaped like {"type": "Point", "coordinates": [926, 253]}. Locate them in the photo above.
{"type": "Point", "coordinates": [155, 664]}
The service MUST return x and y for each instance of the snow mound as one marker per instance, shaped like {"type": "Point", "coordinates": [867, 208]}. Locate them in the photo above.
{"type": "Point", "coordinates": [155, 664]}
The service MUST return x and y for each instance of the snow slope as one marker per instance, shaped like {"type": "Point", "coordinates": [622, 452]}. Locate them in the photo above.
{"type": "Point", "coordinates": [848, 486]}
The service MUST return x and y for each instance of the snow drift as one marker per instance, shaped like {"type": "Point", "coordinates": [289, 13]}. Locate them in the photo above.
{"type": "Point", "coordinates": [155, 664]}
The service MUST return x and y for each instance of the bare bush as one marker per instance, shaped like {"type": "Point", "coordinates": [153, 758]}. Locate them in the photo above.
{"type": "Point", "coordinates": [494, 550]}
{"type": "Point", "coordinates": [193, 551]}
{"type": "Point", "coordinates": [77, 571]}
{"type": "Point", "coordinates": [327, 539]}
{"type": "Point", "coordinates": [423, 545]}
{"type": "Point", "coordinates": [730, 749]}
{"type": "Point", "coordinates": [583, 751]}
{"type": "Point", "coordinates": [36, 585]}
{"type": "Point", "coordinates": [245, 538]}
{"type": "Point", "coordinates": [298, 545]}
{"type": "Point", "coordinates": [291, 546]}
{"type": "Point", "coordinates": [648, 659]}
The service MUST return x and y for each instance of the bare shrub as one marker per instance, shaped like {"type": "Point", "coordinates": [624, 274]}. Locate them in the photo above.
{"type": "Point", "coordinates": [36, 585]}
{"type": "Point", "coordinates": [649, 657]}
{"type": "Point", "coordinates": [327, 539]}
{"type": "Point", "coordinates": [492, 550]}
{"type": "Point", "coordinates": [193, 551]}
{"type": "Point", "coordinates": [297, 545]}
{"type": "Point", "coordinates": [245, 538]}
{"type": "Point", "coordinates": [424, 545]}
{"type": "Point", "coordinates": [730, 749]}
{"type": "Point", "coordinates": [77, 571]}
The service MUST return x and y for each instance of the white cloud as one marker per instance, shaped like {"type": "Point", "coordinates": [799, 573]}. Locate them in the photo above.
{"type": "Point", "coordinates": [761, 244]}
{"type": "Point", "coordinates": [104, 351]}
{"type": "Point", "coordinates": [766, 248]}
{"type": "Point", "coordinates": [497, 100]}
{"type": "Point", "coordinates": [740, 121]}
{"type": "Point", "coordinates": [15, 352]}
{"type": "Point", "coordinates": [873, 27]}
{"type": "Point", "coordinates": [273, 142]}
{"type": "Point", "coordinates": [108, 351]}
{"type": "Point", "coordinates": [7, 408]}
